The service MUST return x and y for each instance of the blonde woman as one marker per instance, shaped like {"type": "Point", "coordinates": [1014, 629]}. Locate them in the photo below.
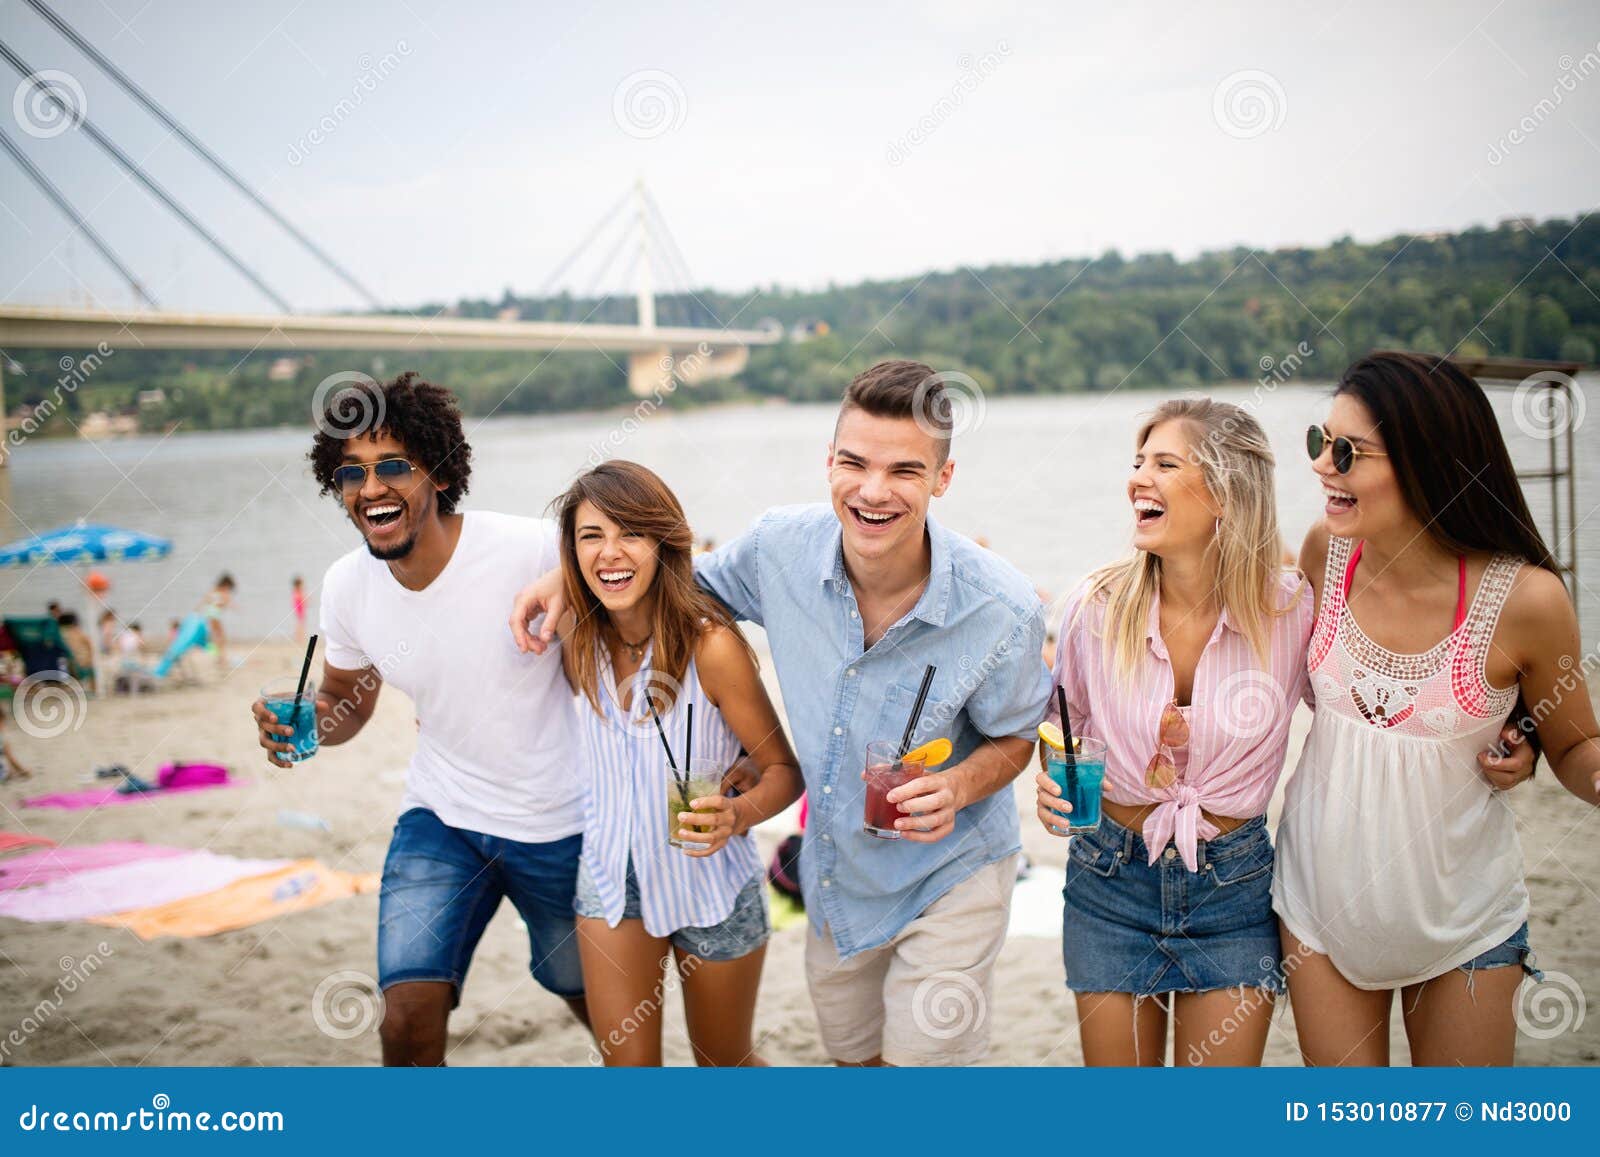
{"type": "Point", "coordinates": [1187, 660]}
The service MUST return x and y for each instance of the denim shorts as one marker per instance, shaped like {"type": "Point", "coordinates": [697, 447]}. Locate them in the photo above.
{"type": "Point", "coordinates": [1132, 926]}
{"type": "Point", "coordinates": [746, 928]}
{"type": "Point", "coordinates": [1513, 950]}
{"type": "Point", "coordinates": [441, 885]}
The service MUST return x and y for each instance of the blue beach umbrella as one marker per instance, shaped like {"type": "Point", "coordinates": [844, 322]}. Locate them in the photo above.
{"type": "Point", "coordinates": [70, 545]}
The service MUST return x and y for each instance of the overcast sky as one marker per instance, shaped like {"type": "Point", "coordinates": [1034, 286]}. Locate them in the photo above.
{"type": "Point", "coordinates": [447, 149]}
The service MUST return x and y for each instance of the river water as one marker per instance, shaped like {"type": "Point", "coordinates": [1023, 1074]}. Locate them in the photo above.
{"type": "Point", "coordinates": [1041, 478]}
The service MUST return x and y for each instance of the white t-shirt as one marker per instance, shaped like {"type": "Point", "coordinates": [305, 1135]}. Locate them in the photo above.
{"type": "Point", "coordinates": [498, 750]}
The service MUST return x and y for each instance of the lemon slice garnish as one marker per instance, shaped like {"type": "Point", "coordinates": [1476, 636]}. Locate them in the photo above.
{"type": "Point", "coordinates": [1051, 734]}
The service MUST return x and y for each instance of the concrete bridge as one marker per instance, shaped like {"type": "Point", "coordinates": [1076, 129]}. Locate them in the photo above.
{"type": "Point", "coordinates": [656, 355]}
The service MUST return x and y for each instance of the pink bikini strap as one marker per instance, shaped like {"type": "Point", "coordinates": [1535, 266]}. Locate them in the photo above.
{"type": "Point", "coordinates": [1461, 581]}
{"type": "Point", "coordinates": [1350, 568]}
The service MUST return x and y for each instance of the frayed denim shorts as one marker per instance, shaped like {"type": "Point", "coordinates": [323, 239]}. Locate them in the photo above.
{"type": "Point", "coordinates": [1512, 950]}
{"type": "Point", "coordinates": [747, 927]}
{"type": "Point", "coordinates": [1142, 928]}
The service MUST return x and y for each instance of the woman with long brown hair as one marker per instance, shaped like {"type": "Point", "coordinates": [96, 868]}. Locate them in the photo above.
{"type": "Point", "coordinates": [1399, 867]}
{"type": "Point", "coordinates": [669, 869]}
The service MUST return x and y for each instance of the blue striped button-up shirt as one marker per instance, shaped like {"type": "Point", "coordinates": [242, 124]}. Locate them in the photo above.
{"type": "Point", "coordinates": [979, 622]}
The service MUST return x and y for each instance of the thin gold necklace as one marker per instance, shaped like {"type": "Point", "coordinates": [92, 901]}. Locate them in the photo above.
{"type": "Point", "coordinates": [635, 650]}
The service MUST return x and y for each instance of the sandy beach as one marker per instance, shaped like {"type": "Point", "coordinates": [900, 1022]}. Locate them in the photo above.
{"type": "Point", "coordinates": [251, 997]}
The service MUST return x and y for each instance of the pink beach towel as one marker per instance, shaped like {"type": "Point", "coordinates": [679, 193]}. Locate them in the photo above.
{"type": "Point", "coordinates": [10, 841]}
{"type": "Point", "coordinates": [103, 891]}
{"type": "Point", "coordinates": [176, 775]}
{"type": "Point", "coordinates": [97, 796]}
{"type": "Point", "coordinates": [35, 868]}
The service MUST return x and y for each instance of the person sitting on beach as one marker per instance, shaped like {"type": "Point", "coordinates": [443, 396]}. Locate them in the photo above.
{"type": "Point", "coordinates": [1399, 867]}
{"type": "Point", "coordinates": [859, 599]}
{"type": "Point", "coordinates": [493, 805]}
{"type": "Point", "coordinates": [78, 643]}
{"type": "Point", "coordinates": [646, 646]}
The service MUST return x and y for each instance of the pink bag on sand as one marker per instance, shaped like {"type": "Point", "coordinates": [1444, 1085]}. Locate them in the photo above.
{"type": "Point", "coordinates": [191, 775]}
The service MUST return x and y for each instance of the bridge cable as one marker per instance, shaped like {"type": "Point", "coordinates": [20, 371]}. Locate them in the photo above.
{"type": "Point", "coordinates": [161, 114]}
{"type": "Point", "coordinates": [50, 190]}
{"type": "Point", "coordinates": [133, 168]}
{"type": "Point", "coordinates": [578, 251]}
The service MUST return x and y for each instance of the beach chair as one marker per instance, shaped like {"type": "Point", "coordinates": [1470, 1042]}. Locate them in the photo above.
{"type": "Point", "coordinates": [38, 640]}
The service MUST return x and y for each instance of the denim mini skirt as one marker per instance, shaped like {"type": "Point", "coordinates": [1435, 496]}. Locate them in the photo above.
{"type": "Point", "coordinates": [1132, 926]}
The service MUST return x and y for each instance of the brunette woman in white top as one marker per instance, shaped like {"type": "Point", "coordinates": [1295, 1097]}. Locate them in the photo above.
{"type": "Point", "coordinates": [1398, 865]}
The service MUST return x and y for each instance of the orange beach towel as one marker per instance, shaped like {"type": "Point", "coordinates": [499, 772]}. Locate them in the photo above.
{"type": "Point", "coordinates": [10, 841]}
{"type": "Point", "coordinates": [301, 885]}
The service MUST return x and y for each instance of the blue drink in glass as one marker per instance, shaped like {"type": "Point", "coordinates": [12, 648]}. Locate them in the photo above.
{"type": "Point", "coordinates": [1080, 783]}
{"type": "Point", "coordinates": [280, 701]}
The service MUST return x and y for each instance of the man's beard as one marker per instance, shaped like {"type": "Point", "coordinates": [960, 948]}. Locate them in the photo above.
{"type": "Point", "coordinates": [393, 553]}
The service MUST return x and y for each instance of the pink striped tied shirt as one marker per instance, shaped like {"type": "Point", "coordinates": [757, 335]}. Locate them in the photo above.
{"type": "Point", "coordinates": [1238, 715]}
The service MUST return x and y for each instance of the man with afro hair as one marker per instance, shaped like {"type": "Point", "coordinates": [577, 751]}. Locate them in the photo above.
{"type": "Point", "coordinates": [493, 801]}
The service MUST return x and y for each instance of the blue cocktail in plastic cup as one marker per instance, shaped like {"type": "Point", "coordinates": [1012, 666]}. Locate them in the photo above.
{"type": "Point", "coordinates": [1081, 782]}
{"type": "Point", "coordinates": [280, 701]}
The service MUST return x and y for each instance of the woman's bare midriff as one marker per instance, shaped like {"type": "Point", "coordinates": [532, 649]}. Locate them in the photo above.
{"type": "Point", "coordinates": [1133, 817]}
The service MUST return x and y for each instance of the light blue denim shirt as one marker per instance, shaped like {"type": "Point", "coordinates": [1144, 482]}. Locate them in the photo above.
{"type": "Point", "coordinates": [979, 622]}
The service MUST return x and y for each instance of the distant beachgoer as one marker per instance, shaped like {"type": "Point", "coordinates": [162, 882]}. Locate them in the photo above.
{"type": "Point", "coordinates": [53, 609]}
{"type": "Point", "coordinates": [78, 643]}
{"type": "Point", "coordinates": [200, 628]}
{"type": "Point", "coordinates": [130, 644]}
{"type": "Point", "coordinates": [297, 597]}
{"type": "Point", "coordinates": [707, 545]}
{"type": "Point", "coordinates": [9, 767]}
{"type": "Point", "coordinates": [109, 629]}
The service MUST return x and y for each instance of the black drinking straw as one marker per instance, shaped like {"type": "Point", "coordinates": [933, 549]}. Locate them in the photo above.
{"type": "Point", "coordinates": [1066, 734]}
{"type": "Point", "coordinates": [661, 731]}
{"type": "Point", "coordinates": [916, 711]}
{"type": "Point", "coordinates": [305, 669]}
{"type": "Point", "coordinates": [688, 752]}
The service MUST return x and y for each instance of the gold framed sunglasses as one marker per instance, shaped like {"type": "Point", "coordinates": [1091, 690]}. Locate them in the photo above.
{"type": "Point", "coordinates": [1162, 770]}
{"type": "Point", "coordinates": [390, 471]}
{"type": "Point", "coordinates": [1345, 452]}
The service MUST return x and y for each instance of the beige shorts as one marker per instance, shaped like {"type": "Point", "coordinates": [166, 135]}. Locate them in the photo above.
{"type": "Point", "coordinates": [924, 997]}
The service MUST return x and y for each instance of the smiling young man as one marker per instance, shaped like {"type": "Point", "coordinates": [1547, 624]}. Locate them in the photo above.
{"type": "Point", "coordinates": [493, 805]}
{"type": "Point", "coordinates": [857, 598]}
